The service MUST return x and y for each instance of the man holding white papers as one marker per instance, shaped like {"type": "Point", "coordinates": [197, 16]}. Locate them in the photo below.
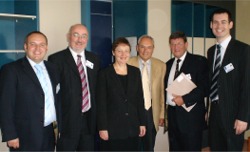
{"type": "Point", "coordinates": [186, 113]}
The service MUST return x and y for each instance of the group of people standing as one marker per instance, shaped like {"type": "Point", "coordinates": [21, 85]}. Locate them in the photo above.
{"type": "Point", "coordinates": [70, 103]}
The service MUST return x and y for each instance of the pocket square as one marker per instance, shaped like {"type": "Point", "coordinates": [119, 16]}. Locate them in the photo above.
{"type": "Point", "coordinates": [57, 88]}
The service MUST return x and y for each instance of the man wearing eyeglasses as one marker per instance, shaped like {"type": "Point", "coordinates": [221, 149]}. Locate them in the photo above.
{"type": "Point", "coordinates": [78, 69]}
{"type": "Point", "coordinates": [156, 71]}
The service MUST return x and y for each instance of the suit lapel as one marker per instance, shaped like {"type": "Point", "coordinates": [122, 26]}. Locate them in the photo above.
{"type": "Point", "coordinates": [185, 65]}
{"type": "Point", "coordinates": [228, 54]}
{"type": "Point", "coordinates": [87, 58]}
{"type": "Point", "coordinates": [71, 62]}
{"type": "Point", "coordinates": [30, 72]}
{"type": "Point", "coordinates": [153, 71]}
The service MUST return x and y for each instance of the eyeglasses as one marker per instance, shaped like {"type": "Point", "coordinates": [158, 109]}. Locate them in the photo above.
{"type": "Point", "coordinates": [77, 35]}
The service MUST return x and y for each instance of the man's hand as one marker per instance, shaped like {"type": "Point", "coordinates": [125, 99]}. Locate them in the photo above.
{"type": "Point", "coordinates": [13, 143]}
{"type": "Point", "coordinates": [178, 100]}
{"type": "Point", "coordinates": [239, 126]}
{"type": "Point", "coordinates": [142, 131]}
{"type": "Point", "coordinates": [161, 122]}
{"type": "Point", "coordinates": [104, 134]}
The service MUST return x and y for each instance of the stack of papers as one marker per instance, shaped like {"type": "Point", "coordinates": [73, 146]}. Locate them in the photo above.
{"type": "Point", "coordinates": [182, 85]}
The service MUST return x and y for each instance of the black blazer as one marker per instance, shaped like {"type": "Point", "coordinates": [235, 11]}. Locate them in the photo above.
{"type": "Point", "coordinates": [234, 86]}
{"type": "Point", "coordinates": [22, 103]}
{"type": "Point", "coordinates": [119, 112]}
{"type": "Point", "coordinates": [71, 91]}
{"type": "Point", "coordinates": [197, 67]}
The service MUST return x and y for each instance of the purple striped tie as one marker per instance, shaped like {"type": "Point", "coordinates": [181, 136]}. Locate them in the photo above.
{"type": "Point", "coordinates": [85, 93]}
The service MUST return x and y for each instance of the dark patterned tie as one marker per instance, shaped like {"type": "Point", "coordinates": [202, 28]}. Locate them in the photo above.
{"type": "Point", "coordinates": [85, 96]}
{"type": "Point", "coordinates": [177, 72]}
{"type": "Point", "coordinates": [217, 64]}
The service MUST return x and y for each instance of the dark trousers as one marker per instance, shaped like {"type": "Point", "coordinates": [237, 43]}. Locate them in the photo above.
{"type": "Point", "coordinates": [220, 138]}
{"type": "Point", "coordinates": [180, 140]}
{"type": "Point", "coordinates": [128, 144]}
{"type": "Point", "coordinates": [148, 141]}
{"type": "Point", "coordinates": [84, 142]}
{"type": "Point", "coordinates": [48, 141]}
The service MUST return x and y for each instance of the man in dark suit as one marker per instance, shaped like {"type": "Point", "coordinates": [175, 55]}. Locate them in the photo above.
{"type": "Point", "coordinates": [230, 86]}
{"type": "Point", "coordinates": [78, 123]}
{"type": "Point", "coordinates": [28, 105]}
{"type": "Point", "coordinates": [184, 126]}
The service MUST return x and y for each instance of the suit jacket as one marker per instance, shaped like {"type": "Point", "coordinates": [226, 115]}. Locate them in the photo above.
{"type": "Point", "coordinates": [234, 86]}
{"type": "Point", "coordinates": [197, 67]}
{"type": "Point", "coordinates": [120, 111]}
{"type": "Point", "coordinates": [158, 71]}
{"type": "Point", "coordinates": [22, 103]}
{"type": "Point", "coordinates": [71, 90]}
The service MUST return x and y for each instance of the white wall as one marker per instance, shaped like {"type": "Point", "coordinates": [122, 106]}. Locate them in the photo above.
{"type": "Point", "coordinates": [56, 16]}
{"type": "Point", "coordinates": [159, 27]}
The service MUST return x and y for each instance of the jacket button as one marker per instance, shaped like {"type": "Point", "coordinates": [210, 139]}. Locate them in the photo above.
{"type": "Point", "coordinates": [126, 114]}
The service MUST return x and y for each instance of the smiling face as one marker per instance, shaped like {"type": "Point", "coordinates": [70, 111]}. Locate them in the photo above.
{"type": "Point", "coordinates": [178, 47]}
{"type": "Point", "coordinates": [121, 53]}
{"type": "Point", "coordinates": [36, 47]}
{"type": "Point", "coordinates": [145, 48]}
{"type": "Point", "coordinates": [221, 26]}
{"type": "Point", "coordinates": [78, 38]}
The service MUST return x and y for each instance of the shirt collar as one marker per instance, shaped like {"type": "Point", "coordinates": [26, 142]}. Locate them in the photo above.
{"type": "Point", "coordinates": [224, 43]}
{"type": "Point", "coordinates": [142, 61]}
{"type": "Point", "coordinates": [182, 58]}
{"type": "Point", "coordinates": [32, 63]}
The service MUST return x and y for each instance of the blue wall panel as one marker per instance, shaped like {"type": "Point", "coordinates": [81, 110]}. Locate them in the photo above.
{"type": "Point", "coordinates": [12, 29]}
{"type": "Point", "coordinates": [101, 31]}
{"type": "Point", "coordinates": [7, 26]}
{"type": "Point", "coordinates": [130, 18]}
{"type": "Point", "coordinates": [9, 57]}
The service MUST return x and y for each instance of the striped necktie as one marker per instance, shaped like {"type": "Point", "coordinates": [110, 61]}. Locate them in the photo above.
{"type": "Point", "coordinates": [85, 92]}
{"type": "Point", "coordinates": [177, 71]}
{"type": "Point", "coordinates": [217, 64]}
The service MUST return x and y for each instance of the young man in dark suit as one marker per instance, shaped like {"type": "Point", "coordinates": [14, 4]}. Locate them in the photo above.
{"type": "Point", "coordinates": [185, 127]}
{"type": "Point", "coordinates": [28, 103]}
{"type": "Point", "coordinates": [78, 69]}
{"type": "Point", "coordinates": [230, 86]}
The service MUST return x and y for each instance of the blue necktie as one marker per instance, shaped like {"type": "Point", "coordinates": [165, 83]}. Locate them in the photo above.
{"type": "Point", "coordinates": [49, 109]}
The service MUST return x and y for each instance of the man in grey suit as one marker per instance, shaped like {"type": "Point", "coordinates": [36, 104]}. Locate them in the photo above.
{"type": "Point", "coordinates": [29, 105]}
{"type": "Point", "coordinates": [229, 62]}
{"type": "Point", "coordinates": [75, 63]}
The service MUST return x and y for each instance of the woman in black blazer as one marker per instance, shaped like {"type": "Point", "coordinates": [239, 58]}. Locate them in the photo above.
{"type": "Point", "coordinates": [120, 103]}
